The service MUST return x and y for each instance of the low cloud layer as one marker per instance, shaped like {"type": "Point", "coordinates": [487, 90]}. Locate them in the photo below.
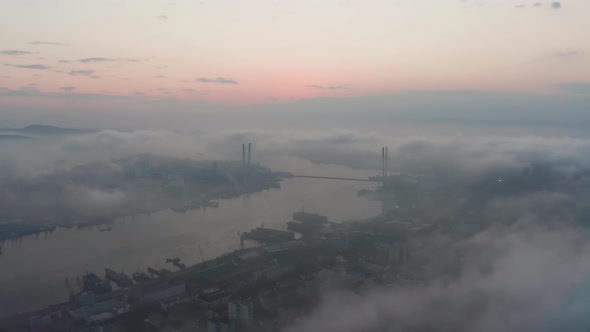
{"type": "Point", "coordinates": [30, 66]}
{"type": "Point", "coordinates": [102, 59]}
{"type": "Point", "coordinates": [86, 72]}
{"type": "Point", "coordinates": [14, 52]}
{"type": "Point", "coordinates": [577, 88]}
{"type": "Point", "coordinates": [329, 87]}
{"type": "Point", "coordinates": [31, 91]}
{"type": "Point", "coordinates": [521, 278]}
{"type": "Point", "coordinates": [219, 80]}
{"type": "Point", "coordinates": [67, 88]}
{"type": "Point", "coordinates": [571, 53]}
{"type": "Point", "coordinates": [449, 155]}
{"type": "Point", "coordinates": [41, 42]}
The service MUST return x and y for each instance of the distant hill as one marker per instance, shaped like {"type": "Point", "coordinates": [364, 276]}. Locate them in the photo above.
{"type": "Point", "coordinates": [13, 137]}
{"type": "Point", "coordinates": [38, 129]}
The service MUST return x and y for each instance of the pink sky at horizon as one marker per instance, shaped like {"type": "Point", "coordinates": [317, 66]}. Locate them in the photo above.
{"type": "Point", "coordinates": [280, 51]}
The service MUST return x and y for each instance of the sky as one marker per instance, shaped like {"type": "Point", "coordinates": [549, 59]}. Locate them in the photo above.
{"type": "Point", "coordinates": [123, 55]}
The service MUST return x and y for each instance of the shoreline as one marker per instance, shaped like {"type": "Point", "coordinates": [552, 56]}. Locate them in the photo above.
{"type": "Point", "coordinates": [22, 229]}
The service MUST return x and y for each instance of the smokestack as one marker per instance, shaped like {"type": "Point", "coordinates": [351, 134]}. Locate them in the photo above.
{"type": "Point", "coordinates": [383, 161]}
{"type": "Point", "coordinates": [249, 149]}
{"type": "Point", "coordinates": [386, 162]}
{"type": "Point", "coordinates": [244, 155]}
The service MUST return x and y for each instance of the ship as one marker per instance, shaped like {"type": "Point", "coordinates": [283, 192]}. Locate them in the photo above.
{"type": "Point", "coordinates": [302, 227]}
{"type": "Point", "coordinates": [164, 272]}
{"type": "Point", "coordinates": [121, 279]}
{"type": "Point", "coordinates": [176, 262]}
{"type": "Point", "coordinates": [269, 235]}
{"type": "Point", "coordinates": [141, 276]}
{"type": "Point", "coordinates": [211, 204]}
{"type": "Point", "coordinates": [154, 272]}
{"type": "Point", "coordinates": [304, 222]}
{"type": "Point", "coordinates": [179, 264]}
{"type": "Point", "coordinates": [92, 283]}
{"type": "Point", "coordinates": [309, 217]}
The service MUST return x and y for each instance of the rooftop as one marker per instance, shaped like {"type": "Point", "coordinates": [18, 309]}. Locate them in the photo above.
{"type": "Point", "coordinates": [212, 295]}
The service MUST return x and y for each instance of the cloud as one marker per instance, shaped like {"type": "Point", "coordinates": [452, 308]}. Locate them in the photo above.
{"type": "Point", "coordinates": [556, 5]}
{"type": "Point", "coordinates": [571, 53]}
{"type": "Point", "coordinates": [162, 18]}
{"type": "Point", "coordinates": [537, 4]}
{"type": "Point", "coordinates": [95, 59]}
{"type": "Point", "coordinates": [577, 88]}
{"type": "Point", "coordinates": [67, 88]}
{"type": "Point", "coordinates": [194, 91]}
{"type": "Point", "coordinates": [64, 61]}
{"type": "Point", "coordinates": [14, 52]}
{"type": "Point", "coordinates": [220, 80]}
{"type": "Point", "coordinates": [512, 279]}
{"type": "Point", "coordinates": [40, 42]}
{"type": "Point", "coordinates": [30, 91]}
{"type": "Point", "coordinates": [87, 72]}
{"type": "Point", "coordinates": [32, 66]}
{"type": "Point", "coordinates": [101, 59]}
{"type": "Point", "coordinates": [329, 87]}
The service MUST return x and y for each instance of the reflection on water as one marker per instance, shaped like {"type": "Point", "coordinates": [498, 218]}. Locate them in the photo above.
{"type": "Point", "coordinates": [34, 268]}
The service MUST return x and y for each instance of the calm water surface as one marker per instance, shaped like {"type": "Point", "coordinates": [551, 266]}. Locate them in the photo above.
{"type": "Point", "coordinates": [34, 268]}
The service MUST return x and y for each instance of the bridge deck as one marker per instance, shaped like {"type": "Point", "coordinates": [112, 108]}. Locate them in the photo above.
{"type": "Point", "coordinates": [333, 178]}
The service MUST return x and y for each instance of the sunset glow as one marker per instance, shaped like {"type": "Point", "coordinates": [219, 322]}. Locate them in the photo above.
{"type": "Point", "coordinates": [249, 52]}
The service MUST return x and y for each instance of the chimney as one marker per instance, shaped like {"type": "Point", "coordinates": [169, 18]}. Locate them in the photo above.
{"type": "Point", "coordinates": [386, 162]}
{"type": "Point", "coordinates": [244, 155]}
{"type": "Point", "coordinates": [249, 150]}
{"type": "Point", "coordinates": [383, 161]}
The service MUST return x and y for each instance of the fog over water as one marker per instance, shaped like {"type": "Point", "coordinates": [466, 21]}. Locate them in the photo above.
{"type": "Point", "coordinates": [38, 265]}
{"type": "Point", "coordinates": [466, 155]}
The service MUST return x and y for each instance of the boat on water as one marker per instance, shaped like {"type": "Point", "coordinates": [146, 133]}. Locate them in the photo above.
{"type": "Point", "coordinates": [172, 260]}
{"type": "Point", "coordinates": [269, 235]}
{"type": "Point", "coordinates": [309, 217]}
{"type": "Point", "coordinates": [211, 204]}
{"type": "Point", "coordinates": [92, 283]}
{"type": "Point", "coordinates": [141, 276]}
{"type": "Point", "coordinates": [154, 272]}
{"type": "Point", "coordinates": [121, 279]}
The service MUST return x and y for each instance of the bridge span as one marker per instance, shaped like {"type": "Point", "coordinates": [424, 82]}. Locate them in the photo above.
{"type": "Point", "coordinates": [333, 178]}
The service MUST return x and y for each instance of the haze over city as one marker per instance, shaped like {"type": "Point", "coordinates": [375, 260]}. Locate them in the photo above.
{"type": "Point", "coordinates": [294, 165]}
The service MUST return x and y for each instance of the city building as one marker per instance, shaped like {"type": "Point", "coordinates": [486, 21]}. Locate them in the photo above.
{"type": "Point", "coordinates": [390, 253]}
{"type": "Point", "coordinates": [241, 310]}
{"type": "Point", "coordinates": [220, 325]}
{"type": "Point", "coordinates": [212, 298]}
